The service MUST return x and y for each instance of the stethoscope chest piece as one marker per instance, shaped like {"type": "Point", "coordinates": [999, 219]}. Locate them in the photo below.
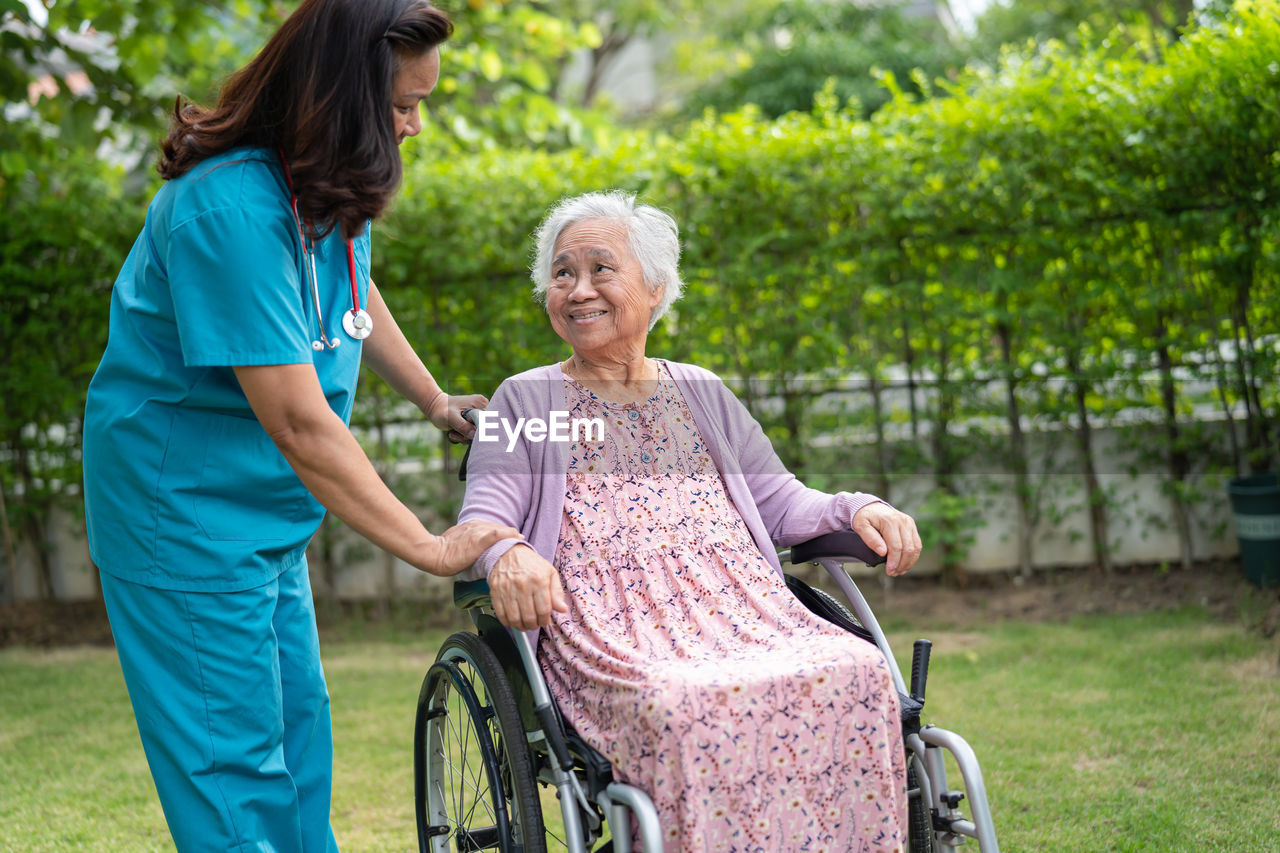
{"type": "Point", "coordinates": [357, 323]}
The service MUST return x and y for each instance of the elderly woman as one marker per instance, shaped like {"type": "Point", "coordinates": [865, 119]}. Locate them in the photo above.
{"type": "Point", "coordinates": [671, 642]}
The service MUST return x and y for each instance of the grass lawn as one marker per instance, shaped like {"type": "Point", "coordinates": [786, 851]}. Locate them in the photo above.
{"type": "Point", "coordinates": [1156, 731]}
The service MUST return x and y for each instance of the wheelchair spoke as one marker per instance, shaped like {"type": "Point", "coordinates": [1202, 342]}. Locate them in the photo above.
{"type": "Point", "coordinates": [482, 795]}
{"type": "Point", "coordinates": [472, 800]}
{"type": "Point", "coordinates": [453, 773]}
{"type": "Point", "coordinates": [471, 792]}
{"type": "Point", "coordinates": [475, 799]}
{"type": "Point", "coordinates": [468, 775]}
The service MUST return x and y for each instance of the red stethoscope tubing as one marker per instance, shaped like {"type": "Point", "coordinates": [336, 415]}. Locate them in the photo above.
{"type": "Point", "coordinates": [308, 246]}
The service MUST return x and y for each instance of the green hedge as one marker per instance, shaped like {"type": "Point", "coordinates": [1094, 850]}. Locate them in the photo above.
{"type": "Point", "coordinates": [64, 232]}
{"type": "Point", "coordinates": [1073, 234]}
{"type": "Point", "coordinates": [1069, 237]}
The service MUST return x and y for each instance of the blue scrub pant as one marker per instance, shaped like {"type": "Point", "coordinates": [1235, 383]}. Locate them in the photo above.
{"type": "Point", "coordinates": [233, 712]}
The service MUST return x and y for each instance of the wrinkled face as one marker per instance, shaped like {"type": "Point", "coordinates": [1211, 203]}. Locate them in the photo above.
{"type": "Point", "coordinates": [415, 79]}
{"type": "Point", "coordinates": [597, 299]}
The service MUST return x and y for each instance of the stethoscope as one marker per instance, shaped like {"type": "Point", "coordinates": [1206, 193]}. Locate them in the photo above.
{"type": "Point", "coordinates": [357, 323]}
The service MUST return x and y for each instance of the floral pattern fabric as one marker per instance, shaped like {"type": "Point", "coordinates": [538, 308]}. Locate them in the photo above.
{"type": "Point", "coordinates": [683, 658]}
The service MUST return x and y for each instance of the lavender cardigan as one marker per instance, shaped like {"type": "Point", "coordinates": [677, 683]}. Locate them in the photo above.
{"type": "Point", "coordinates": [525, 487]}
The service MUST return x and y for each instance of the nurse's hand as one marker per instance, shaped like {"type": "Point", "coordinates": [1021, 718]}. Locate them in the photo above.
{"type": "Point", "coordinates": [445, 413]}
{"type": "Point", "coordinates": [525, 588]}
{"type": "Point", "coordinates": [461, 545]}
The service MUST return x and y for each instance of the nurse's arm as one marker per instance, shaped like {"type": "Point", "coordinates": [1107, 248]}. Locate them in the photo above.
{"type": "Point", "coordinates": [388, 353]}
{"type": "Point", "coordinates": [290, 405]}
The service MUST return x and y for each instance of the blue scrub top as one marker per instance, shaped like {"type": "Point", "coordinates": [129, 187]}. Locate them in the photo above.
{"type": "Point", "coordinates": [184, 490]}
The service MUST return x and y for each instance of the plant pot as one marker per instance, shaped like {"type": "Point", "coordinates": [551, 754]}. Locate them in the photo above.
{"type": "Point", "coordinates": [1256, 503]}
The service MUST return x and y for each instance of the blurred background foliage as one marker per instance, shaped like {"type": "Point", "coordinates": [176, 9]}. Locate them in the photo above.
{"type": "Point", "coordinates": [793, 48]}
{"type": "Point", "coordinates": [1062, 220]}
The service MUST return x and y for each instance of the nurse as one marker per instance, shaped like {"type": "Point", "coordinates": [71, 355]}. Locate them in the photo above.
{"type": "Point", "coordinates": [216, 429]}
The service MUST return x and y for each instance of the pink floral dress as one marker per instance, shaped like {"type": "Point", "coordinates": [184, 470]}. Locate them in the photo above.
{"type": "Point", "coordinates": [683, 659]}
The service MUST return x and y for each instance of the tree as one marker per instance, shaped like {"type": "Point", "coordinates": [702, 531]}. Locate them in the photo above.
{"type": "Point", "coordinates": [530, 73]}
{"type": "Point", "coordinates": [796, 46]}
{"type": "Point", "coordinates": [500, 76]}
{"type": "Point", "coordinates": [1015, 22]}
{"type": "Point", "coordinates": [108, 71]}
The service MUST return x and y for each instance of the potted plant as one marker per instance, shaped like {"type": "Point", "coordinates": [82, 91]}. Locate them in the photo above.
{"type": "Point", "coordinates": [1255, 490]}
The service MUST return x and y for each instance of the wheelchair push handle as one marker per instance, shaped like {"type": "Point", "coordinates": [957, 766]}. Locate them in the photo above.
{"type": "Point", "coordinates": [469, 414]}
{"type": "Point", "coordinates": [920, 668]}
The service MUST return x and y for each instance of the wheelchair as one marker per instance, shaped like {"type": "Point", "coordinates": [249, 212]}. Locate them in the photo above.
{"type": "Point", "coordinates": [489, 741]}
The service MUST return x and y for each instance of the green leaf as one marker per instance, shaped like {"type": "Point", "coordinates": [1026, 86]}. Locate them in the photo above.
{"type": "Point", "coordinates": [490, 65]}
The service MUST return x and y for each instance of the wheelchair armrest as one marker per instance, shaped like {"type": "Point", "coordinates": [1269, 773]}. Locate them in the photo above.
{"type": "Point", "coordinates": [471, 594]}
{"type": "Point", "coordinates": [841, 545]}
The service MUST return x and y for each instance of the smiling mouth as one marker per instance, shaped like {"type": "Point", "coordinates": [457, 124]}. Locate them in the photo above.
{"type": "Point", "coordinates": [591, 316]}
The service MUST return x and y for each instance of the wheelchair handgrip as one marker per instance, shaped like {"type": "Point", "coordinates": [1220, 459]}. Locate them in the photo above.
{"type": "Point", "coordinates": [840, 545]}
{"type": "Point", "coordinates": [920, 668]}
{"type": "Point", "coordinates": [470, 415]}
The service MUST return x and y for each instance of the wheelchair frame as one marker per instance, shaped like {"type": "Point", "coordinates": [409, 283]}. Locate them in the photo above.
{"type": "Point", "coordinates": [530, 737]}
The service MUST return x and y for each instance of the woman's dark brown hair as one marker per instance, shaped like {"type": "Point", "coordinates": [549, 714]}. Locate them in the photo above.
{"type": "Point", "coordinates": [320, 91]}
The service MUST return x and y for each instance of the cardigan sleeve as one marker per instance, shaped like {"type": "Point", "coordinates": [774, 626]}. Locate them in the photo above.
{"type": "Point", "coordinates": [499, 481]}
{"type": "Point", "coordinates": [791, 511]}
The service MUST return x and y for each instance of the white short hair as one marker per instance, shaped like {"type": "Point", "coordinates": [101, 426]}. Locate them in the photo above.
{"type": "Point", "coordinates": [654, 238]}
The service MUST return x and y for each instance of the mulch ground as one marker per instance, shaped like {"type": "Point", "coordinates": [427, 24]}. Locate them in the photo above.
{"type": "Point", "coordinates": [1217, 586]}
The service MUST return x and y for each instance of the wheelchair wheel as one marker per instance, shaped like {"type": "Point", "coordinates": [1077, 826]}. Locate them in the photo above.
{"type": "Point", "coordinates": [474, 787]}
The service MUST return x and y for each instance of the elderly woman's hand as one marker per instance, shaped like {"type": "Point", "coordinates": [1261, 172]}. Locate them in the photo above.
{"type": "Point", "coordinates": [525, 589]}
{"type": "Point", "coordinates": [889, 533]}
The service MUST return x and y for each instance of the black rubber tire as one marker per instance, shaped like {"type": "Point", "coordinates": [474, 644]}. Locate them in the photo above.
{"type": "Point", "coordinates": [474, 786]}
{"type": "Point", "coordinates": [919, 820]}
